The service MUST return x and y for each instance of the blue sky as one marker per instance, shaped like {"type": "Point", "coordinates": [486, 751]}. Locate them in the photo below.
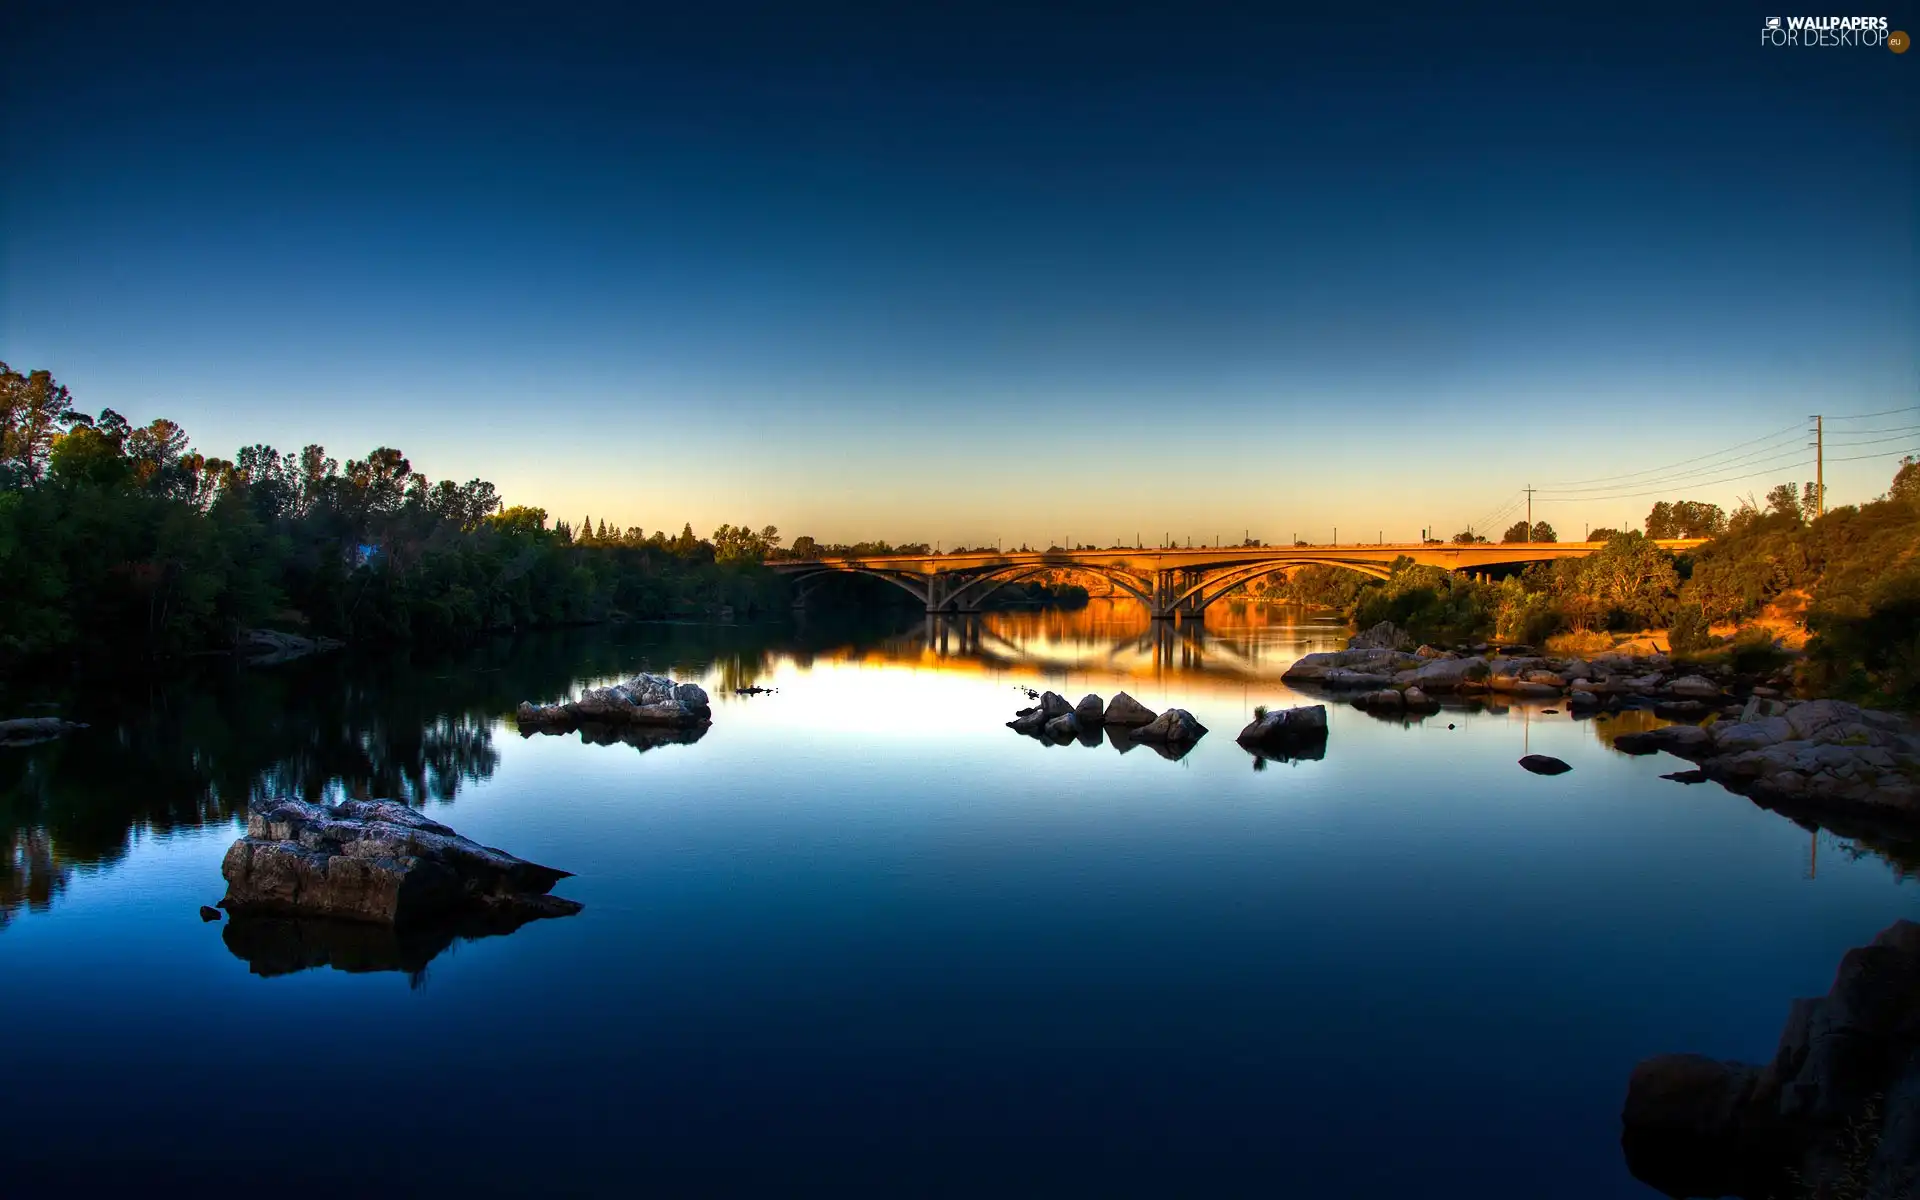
{"type": "Point", "coordinates": [984, 273]}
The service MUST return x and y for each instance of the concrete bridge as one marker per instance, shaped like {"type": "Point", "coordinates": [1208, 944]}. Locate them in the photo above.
{"type": "Point", "coordinates": [1172, 583]}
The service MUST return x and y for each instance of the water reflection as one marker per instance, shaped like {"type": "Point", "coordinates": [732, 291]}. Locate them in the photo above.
{"type": "Point", "coordinates": [191, 749]}
{"type": "Point", "coordinates": [286, 945]}
{"type": "Point", "coordinates": [1119, 639]}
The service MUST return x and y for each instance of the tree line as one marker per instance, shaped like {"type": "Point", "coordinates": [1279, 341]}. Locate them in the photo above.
{"type": "Point", "coordinates": [120, 541]}
{"type": "Point", "coordinates": [1852, 575]}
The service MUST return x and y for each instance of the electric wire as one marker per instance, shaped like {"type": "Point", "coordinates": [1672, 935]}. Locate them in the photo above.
{"type": "Point", "coordinates": [1687, 478]}
{"type": "Point", "coordinates": [1779, 435]}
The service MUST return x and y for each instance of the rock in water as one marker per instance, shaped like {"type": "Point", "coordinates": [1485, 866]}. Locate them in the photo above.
{"type": "Point", "coordinates": [1053, 704]}
{"type": "Point", "coordinates": [373, 860]}
{"type": "Point", "coordinates": [25, 731]}
{"type": "Point", "coordinates": [1063, 727]}
{"type": "Point", "coordinates": [1836, 1112]}
{"type": "Point", "coordinates": [1544, 764]}
{"type": "Point", "coordinates": [1124, 710]}
{"type": "Point", "coordinates": [1090, 711]}
{"type": "Point", "coordinates": [1175, 726]}
{"type": "Point", "coordinates": [642, 700]}
{"type": "Point", "coordinates": [1288, 733]}
{"type": "Point", "coordinates": [209, 913]}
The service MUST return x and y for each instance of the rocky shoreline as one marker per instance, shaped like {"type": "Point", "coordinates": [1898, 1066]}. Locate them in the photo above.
{"type": "Point", "coordinates": [1835, 1113]}
{"type": "Point", "coordinates": [1805, 757]}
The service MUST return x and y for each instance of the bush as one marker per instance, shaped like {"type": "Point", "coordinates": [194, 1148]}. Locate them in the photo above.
{"type": "Point", "coordinates": [1689, 631]}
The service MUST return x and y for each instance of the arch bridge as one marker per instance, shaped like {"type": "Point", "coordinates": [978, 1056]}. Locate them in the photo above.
{"type": "Point", "coordinates": [1171, 583]}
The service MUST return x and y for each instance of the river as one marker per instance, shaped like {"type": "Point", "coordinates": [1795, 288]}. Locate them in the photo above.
{"type": "Point", "coordinates": [862, 937]}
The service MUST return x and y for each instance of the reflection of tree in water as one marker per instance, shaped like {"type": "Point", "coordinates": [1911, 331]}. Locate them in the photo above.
{"type": "Point", "coordinates": [34, 875]}
{"type": "Point", "coordinates": [191, 749]}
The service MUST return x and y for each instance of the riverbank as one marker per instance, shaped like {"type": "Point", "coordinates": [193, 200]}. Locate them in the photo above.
{"type": "Point", "coordinates": [1806, 757]}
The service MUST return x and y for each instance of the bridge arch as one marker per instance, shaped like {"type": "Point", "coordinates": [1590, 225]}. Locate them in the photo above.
{"type": "Point", "coordinates": [1220, 584]}
{"type": "Point", "coordinates": [806, 584]}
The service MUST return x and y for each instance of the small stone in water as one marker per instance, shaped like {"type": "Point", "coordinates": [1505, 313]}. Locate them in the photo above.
{"type": "Point", "coordinates": [209, 913]}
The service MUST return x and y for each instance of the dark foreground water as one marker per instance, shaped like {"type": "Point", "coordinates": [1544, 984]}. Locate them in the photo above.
{"type": "Point", "coordinates": [862, 938]}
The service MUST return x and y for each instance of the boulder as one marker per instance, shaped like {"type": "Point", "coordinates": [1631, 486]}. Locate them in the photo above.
{"type": "Point", "coordinates": [1694, 687]}
{"type": "Point", "coordinates": [1383, 700]}
{"type": "Point", "coordinates": [25, 731]}
{"type": "Point", "coordinates": [1545, 764]}
{"type": "Point", "coordinates": [1089, 711]}
{"type": "Point", "coordinates": [1287, 727]}
{"type": "Point", "coordinates": [1125, 711]}
{"type": "Point", "coordinates": [642, 700]}
{"type": "Point", "coordinates": [1053, 704]}
{"type": "Point", "coordinates": [1344, 678]}
{"type": "Point", "coordinates": [1384, 636]}
{"type": "Point", "coordinates": [1063, 727]}
{"type": "Point", "coordinates": [1031, 721]}
{"type": "Point", "coordinates": [265, 647]}
{"type": "Point", "coordinates": [1836, 1112]}
{"type": "Point", "coordinates": [377, 861]}
{"type": "Point", "coordinates": [1312, 668]}
{"type": "Point", "coordinates": [1175, 726]}
{"type": "Point", "coordinates": [1447, 675]}
{"type": "Point", "coordinates": [1418, 701]}
{"type": "Point", "coordinates": [209, 913]}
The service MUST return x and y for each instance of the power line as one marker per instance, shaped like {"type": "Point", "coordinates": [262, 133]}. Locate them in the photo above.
{"type": "Point", "coordinates": [1687, 478]}
{"type": "Point", "coordinates": [1658, 491]}
{"type": "Point", "coordinates": [1771, 437]}
{"type": "Point", "coordinates": [1884, 413]}
{"type": "Point", "coordinates": [1905, 434]}
{"type": "Point", "coordinates": [1882, 454]}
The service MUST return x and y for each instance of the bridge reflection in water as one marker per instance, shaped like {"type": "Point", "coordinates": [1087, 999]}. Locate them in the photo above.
{"type": "Point", "coordinates": [1119, 639]}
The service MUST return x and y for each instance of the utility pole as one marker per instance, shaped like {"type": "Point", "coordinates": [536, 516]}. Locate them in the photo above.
{"type": "Point", "coordinates": [1529, 491]}
{"type": "Point", "coordinates": [1819, 468]}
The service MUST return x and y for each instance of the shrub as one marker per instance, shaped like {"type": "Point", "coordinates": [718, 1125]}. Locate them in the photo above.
{"type": "Point", "coordinates": [1689, 631]}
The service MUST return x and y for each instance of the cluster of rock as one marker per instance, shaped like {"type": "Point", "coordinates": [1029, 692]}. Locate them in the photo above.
{"type": "Point", "coordinates": [1051, 717]}
{"type": "Point", "coordinates": [1288, 733]}
{"type": "Point", "coordinates": [264, 647]}
{"type": "Point", "coordinates": [377, 861]}
{"type": "Point", "coordinates": [28, 731]}
{"type": "Point", "coordinates": [1817, 755]}
{"type": "Point", "coordinates": [1835, 1113]}
{"type": "Point", "coordinates": [643, 700]}
{"type": "Point", "coordinates": [1389, 678]}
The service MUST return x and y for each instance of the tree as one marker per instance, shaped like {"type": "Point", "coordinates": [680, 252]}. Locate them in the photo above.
{"type": "Point", "coordinates": [521, 519]}
{"type": "Point", "coordinates": [1517, 532]}
{"type": "Point", "coordinates": [1543, 532]}
{"type": "Point", "coordinates": [34, 411]}
{"type": "Point", "coordinates": [1686, 519]}
{"type": "Point", "coordinates": [1786, 500]}
{"type": "Point", "coordinates": [1603, 534]}
{"type": "Point", "coordinates": [1906, 482]}
{"type": "Point", "coordinates": [1466, 537]}
{"type": "Point", "coordinates": [803, 547]}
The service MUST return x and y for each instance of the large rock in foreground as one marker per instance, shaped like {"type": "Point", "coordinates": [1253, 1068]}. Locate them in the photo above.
{"type": "Point", "coordinates": [377, 861]}
{"type": "Point", "coordinates": [642, 700]}
{"type": "Point", "coordinates": [1836, 1113]}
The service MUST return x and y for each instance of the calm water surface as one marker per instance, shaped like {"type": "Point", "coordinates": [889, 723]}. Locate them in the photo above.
{"type": "Point", "coordinates": [863, 936]}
